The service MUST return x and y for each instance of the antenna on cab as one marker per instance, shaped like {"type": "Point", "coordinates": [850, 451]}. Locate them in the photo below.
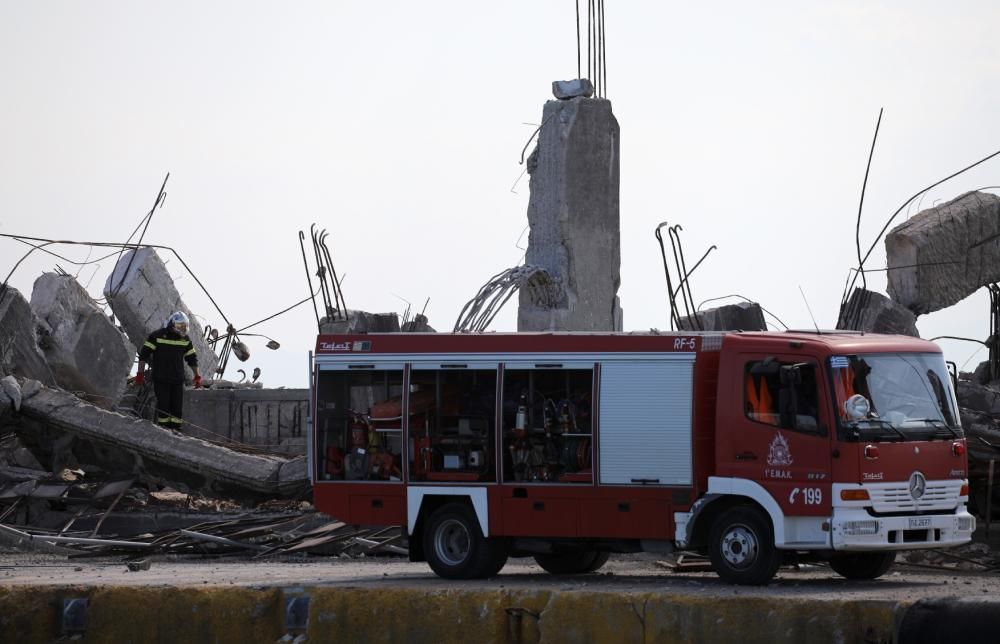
{"type": "Point", "coordinates": [808, 308]}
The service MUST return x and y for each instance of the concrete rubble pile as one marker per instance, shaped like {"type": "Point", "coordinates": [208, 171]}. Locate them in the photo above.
{"type": "Point", "coordinates": [365, 322]}
{"type": "Point", "coordinates": [217, 467]}
{"type": "Point", "coordinates": [64, 366]}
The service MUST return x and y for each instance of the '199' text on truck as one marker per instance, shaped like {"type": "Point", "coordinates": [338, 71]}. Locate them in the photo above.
{"type": "Point", "coordinates": [747, 447]}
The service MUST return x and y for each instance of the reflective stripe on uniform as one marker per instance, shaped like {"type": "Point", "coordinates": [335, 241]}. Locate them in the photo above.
{"type": "Point", "coordinates": [190, 353]}
{"type": "Point", "coordinates": [178, 343]}
{"type": "Point", "coordinates": [149, 344]}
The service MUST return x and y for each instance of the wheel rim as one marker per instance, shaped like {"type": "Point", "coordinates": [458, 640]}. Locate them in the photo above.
{"type": "Point", "coordinates": [451, 542]}
{"type": "Point", "coordinates": [740, 546]}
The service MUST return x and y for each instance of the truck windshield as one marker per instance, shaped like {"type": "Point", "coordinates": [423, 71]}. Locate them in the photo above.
{"type": "Point", "coordinates": [901, 396]}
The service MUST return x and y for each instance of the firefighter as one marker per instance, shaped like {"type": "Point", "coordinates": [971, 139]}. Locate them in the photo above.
{"type": "Point", "coordinates": [166, 350]}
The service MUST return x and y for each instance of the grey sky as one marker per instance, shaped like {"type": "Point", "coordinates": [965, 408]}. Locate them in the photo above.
{"type": "Point", "coordinates": [398, 126]}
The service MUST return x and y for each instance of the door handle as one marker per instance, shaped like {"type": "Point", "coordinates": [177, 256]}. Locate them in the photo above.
{"type": "Point", "coordinates": [376, 503]}
{"type": "Point", "coordinates": [746, 456]}
{"type": "Point", "coordinates": [538, 505]}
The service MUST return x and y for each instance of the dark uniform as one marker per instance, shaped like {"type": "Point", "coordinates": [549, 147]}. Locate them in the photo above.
{"type": "Point", "coordinates": [166, 351]}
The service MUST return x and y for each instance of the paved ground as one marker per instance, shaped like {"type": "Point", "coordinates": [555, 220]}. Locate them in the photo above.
{"type": "Point", "coordinates": [633, 573]}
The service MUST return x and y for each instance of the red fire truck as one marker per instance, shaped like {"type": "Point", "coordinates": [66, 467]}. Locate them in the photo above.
{"type": "Point", "coordinates": [752, 448]}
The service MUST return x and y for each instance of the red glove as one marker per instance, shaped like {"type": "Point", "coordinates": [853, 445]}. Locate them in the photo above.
{"type": "Point", "coordinates": [140, 379]}
{"type": "Point", "coordinates": [197, 382]}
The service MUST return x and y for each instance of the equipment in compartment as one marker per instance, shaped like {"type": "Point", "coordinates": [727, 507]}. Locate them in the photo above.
{"type": "Point", "coordinates": [556, 451]}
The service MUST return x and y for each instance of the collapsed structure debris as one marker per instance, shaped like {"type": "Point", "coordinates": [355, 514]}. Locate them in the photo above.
{"type": "Point", "coordinates": [944, 254]}
{"type": "Point", "coordinates": [742, 316]}
{"type": "Point", "coordinates": [873, 312]}
{"type": "Point", "coordinates": [86, 352]}
{"type": "Point", "coordinates": [216, 466]}
{"type": "Point", "coordinates": [142, 295]}
{"type": "Point", "coordinates": [19, 351]}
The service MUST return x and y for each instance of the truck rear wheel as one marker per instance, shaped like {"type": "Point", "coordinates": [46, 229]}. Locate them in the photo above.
{"type": "Point", "coordinates": [742, 547]}
{"type": "Point", "coordinates": [862, 565]}
{"type": "Point", "coordinates": [572, 563]}
{"type": "Point", "coordinates": [456, 548]}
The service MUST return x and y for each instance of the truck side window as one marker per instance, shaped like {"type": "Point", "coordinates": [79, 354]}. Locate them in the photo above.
{"type": "Point", "coordinates": [547, 425]}
{"type": "Point", "coordinates": [764, 396]}
{"type": "Point", "coordinates": [453, 424]}
{"type": "Point", "coordinates": [359, 425]}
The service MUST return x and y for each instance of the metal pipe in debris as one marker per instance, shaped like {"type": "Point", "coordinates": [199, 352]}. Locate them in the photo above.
{"type": "Point", "coordinates": [228, 542]}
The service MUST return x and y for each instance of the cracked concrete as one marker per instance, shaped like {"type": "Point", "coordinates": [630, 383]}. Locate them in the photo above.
{"type": "Point", "coordinates": [942, 255]}
{"type": "Point", "coordinates": [574, 218]}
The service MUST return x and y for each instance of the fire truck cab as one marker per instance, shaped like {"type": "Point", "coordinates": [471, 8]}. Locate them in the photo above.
{"type": "Point", "coordinates": [751, 448]}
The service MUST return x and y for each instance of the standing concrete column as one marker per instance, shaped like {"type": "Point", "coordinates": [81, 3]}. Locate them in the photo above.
{"type": "Point", "coordinates": [573, 217]}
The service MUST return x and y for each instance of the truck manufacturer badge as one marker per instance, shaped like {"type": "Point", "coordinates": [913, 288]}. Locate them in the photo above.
{"type": "Point", "coordinates": [917, 485]}
{"type": "Point", "coordinates": [779, 453]}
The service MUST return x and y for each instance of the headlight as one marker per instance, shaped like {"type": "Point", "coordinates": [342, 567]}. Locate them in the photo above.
{"type": "Point", "coordinates": [860, 528]}
{"type": "Point", "coordinates": [966, 524]}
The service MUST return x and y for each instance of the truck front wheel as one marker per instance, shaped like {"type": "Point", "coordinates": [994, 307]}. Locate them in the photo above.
{"type": "Point", "coordinates": [572, 563]}
{"type": "Point", "coordinates": [455, 547]}
{"type": "Point", "coordinates": [862, 565]}
{"type": "Point", "coordinates": [742, 547]}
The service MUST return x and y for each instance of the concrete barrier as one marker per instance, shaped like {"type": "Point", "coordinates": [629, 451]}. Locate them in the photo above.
{"type": "Point", "coordinates": [238, 614]}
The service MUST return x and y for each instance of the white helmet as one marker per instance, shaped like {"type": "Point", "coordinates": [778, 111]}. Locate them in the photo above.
{"type": "Point", "coordinates": [179, 321]}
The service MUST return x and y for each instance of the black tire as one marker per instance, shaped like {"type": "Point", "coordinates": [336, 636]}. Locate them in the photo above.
{"type": "Point", "coordinates": [455, 546]}
{"type": "Point", "coordinates": [862, 565]}
{"type": "Point", "coordinates": [572, 563]}
{"type": "Point", "coordinates": [741, 547]}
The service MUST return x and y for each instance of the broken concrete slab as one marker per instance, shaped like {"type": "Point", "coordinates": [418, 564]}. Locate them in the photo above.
{"type": "Point", "coordinates": [567, 89]}
{"type": "Point", "coordinates": [361, 322]}
{"type": "Point", "coordinates": [944, 254]}
{"type": "Point", "coordinates": [873, 312]}
{"type": "Point", "coordinates": [142, 295]}
{"type": "Point", "coordinates": [220, 467]}
{"type": "Point", "coordinates": [742, 316]}
{"type": "Point", "coordinates": [20, 354]}
{"type": "Point", "coordinates": [573, 215]}
{"type": "Point", "coordinates": [86, 352]}
{"type": "Point", "coordinates": [418, 325]}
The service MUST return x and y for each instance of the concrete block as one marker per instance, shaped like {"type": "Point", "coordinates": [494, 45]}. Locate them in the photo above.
{"type": "Point", "coordinates": [875, 313]}
{"type": "Point", "coordinates": [142, 296]}
{"type": "Point", "coordinates": [944, 254]}
{"type": "Point", "coordinates": [12, 391]}
{"type": "Point", "coordinates": [264, 417]}
{"type": "Point", "coordinates": [20, 354]}
{"type": "Point", "coordinates": [418, 325]}
{"type": "Point", "coordinates": [567, 89]}
{"type": "Point", "coordinates": [361, 322]}
{"type": "Point", "coordinates": [573, 216]}
{"type": "Point", "coordinates": [743, 316]}
{"type": "Point", "coordinates": [86, 352]}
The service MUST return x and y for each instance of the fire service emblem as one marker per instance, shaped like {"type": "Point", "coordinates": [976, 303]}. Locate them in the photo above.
{"type": "Point", "coordinates": [779, 453]}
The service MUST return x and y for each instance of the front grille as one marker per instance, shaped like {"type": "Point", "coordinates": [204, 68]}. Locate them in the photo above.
{"type": "Point", "coordinates": [895, 497]}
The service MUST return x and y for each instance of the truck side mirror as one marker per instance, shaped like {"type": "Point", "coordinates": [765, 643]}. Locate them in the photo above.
{"type": "Point", "coordinates": [788, 406]}
{"type": "Point", "coordinates": [767, 367]}
{"type": "Point", "coordinates": [791, 375]}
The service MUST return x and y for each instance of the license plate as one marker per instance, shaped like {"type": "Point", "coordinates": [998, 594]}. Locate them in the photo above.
{"type": "Point", "coordinates": [922, 522]}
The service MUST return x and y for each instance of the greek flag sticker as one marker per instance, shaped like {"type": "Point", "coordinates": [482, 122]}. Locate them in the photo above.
{"type": "Point", "coordinates": [839, 362]}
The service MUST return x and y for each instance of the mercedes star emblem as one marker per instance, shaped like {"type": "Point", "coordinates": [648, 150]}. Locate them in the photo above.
{"type": "Point", "coordinates": [917, 485]}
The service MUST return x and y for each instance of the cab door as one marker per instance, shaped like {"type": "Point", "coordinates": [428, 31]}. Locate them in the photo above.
{"type": "Point", "coordinates": [774, 429]}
